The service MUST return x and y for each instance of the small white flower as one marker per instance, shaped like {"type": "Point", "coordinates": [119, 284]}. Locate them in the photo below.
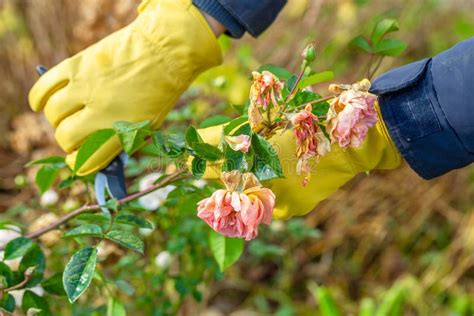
{"type": "Point", "coordinates": [18, 294]}
{"type": "Point", "coordinates": [49, 198]}
{"type": "Point", "coordinates": [201, 183]}
{"type": "Point", "coordinates": [155, 199]}
{"type": "Point", "coordinates": [145, 232]}
{"type": "Point", "coordinates": [163, 259]}
{"type": "Point", "coordinates": [7, 233]}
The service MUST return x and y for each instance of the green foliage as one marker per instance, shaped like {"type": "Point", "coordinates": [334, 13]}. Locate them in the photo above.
{"type": "Point", "coordinates": [78, 272]}
{"type": "Point", "coordinates": [17, 248]}
{"type": "Point", "coordinates": [91, 145]}
{"type": "Point", "coordinates": [133, 220]}
{"type": "Point", "coordinates": [214, 120]}
{"type": "Point", "coordinates": [316, 78]}
{"type": "Point", "coordinates": [266, 164]}
{"type": "Point", "coordinates": [127, 240]}
{"type": "Point", "coordinates": [226, 250]}
{"type": "Point", "coordinates": [45, 177]}
{"type": "Point", "coordinates": [280, 72]}
{"type": "Point", "coordinates": [34, 257]}
{"type": "Point", "coordinates": [32, 300]}
{"type": "Point", "coordinates": [133, 135]}
{"type": "Point", "coordinates": [86, 230]}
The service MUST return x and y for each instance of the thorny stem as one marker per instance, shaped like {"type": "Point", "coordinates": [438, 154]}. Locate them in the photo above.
{"type": "Point", "coordinates": [95, 207]}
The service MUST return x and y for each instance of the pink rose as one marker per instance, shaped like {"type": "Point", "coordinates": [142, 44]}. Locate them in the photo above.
{"type": "Point", "coordinates": [350, 116]}
{"type": "Point", "coordinates": [240, 208]}
{"type": "Point", "coordinates": [265, 89]}
{"type": "Point", "coordinates": [239, 143]}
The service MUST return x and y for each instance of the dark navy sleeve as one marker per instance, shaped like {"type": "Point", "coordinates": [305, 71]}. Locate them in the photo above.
{"type": "Point", "coordinates": [240, 16]}
{"type": "Point", "coordinates": [428, 108]}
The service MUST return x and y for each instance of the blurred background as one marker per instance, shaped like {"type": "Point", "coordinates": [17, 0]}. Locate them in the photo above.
{"type": "Point", "coordinates": [387, 238]}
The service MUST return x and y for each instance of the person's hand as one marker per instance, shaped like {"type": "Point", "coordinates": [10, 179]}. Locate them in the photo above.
{"type": "Point", "coordinates": [133, 75]}
{"type": "Point", "coordinates": [333, 170]}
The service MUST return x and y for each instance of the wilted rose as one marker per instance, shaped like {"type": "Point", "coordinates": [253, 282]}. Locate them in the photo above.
{"type": "Point", "coordinates": [240, 208]}
{"type": "Point", "coordinates": [265, 90]}
{"type": "Point", "coordinates": [239, 143]}
{"type": "Point", "coordinates": [310, 140]}
{"type": "Point", "coordinates": [351, 114]}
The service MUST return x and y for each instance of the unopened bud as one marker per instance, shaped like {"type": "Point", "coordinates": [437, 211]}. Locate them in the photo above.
{"type": "Point", "coordinates": [29, 272]}
{"type": "Point", "coordinates": [309, 54]}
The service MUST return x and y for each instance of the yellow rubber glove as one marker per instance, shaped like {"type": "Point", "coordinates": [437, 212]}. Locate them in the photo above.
{"type": "Point", "coordinates": [333, 170]}
{"type": "Point", "coordinates": [133, 75]}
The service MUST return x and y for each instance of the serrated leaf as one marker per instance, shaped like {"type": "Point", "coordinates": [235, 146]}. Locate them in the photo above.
{"type": "Point", "coordinates": [266, 162]}
{"type": "Point", "coordinates": [198, 167]}
{"type": "Point", "coordinates": [54, 285]}
{"type": "Point", "coordinates": [7, 302]}
{"type": "Point", "coordinates": [79, 272]}
{"type": "Point", "coordinates": [281, 73]}
{"type": "Point", "coordinates": [133, 220]}
{"type": "Point", "coordinates": [34, 257]}
{"type": "Point", "coordinates": [45, 177]}
{"type": "Point", "coordinates": [225, 250]}
{"type": "Point", "coordinates": [234, 124]}
{"type": "Point", "coordinates": [91, 145]}
{"type": "Point", "coordinates": [133, 135]}
{"type": "Point", "coordinates": [390, 47]}
{"type": "Point", "coordinates": [56, 160]}
{"type": "Point", "coordinates": [32, 300]}
{"type": "Point", "coordinates": [316, 78]}
{"type": "Point", "coordinates": [115, 308]}
{"type": "Point", "coordinates": [86, 230]}
{"type": "Point", "coordinates": [214, 120]}
{"type": "Point", "coordinates": [360, 43]}
{"type": "Point", "coordinates": [17, 247]}
{"type": "Point", "coordinates": [381, 28]}
{"type": "Point", "coordinates": [207, 151]}
{"type": "Point", "coordinates": [126, 239]}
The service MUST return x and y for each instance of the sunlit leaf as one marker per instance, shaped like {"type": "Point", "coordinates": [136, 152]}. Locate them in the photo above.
{"type": "Point", "coordinates": [207, 151]}
{"type": "Point", "coordinates": [126, 239]}
{"type": "Point", "coordinates": [214, 120]}
{"type": "Point", "coordinates": [115, 308]}
{"type": "Point", "coordinates": [17, 248]}
{"type": "Point", "coordinates": [91, 145]}
{"type": "Point", "coordinates": [86, 230]}
{"type": "Point", "coordinates": [383, 27]}
{"type": "Point", "coordinates": [225, 250]}
{"type": "Point", "coordinates": [266, 162]}
{"type": "Point", "coordinates": [46, 176]}
{"type": "Point", "coordinates": [133, 135]}
{"type": "Point", "coordinates": [79, 272]}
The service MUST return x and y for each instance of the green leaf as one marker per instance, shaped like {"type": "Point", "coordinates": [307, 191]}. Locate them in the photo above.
{"type": "Point", "coordinates": [7, 302]}
{"type": "Point", "coordinates": [362, 44]}
{"type": "Point", "coordinates": [281, 73]}
{"type": "Point", "coordinates": [94, 218]}
{"type": "Point", "coordinates": [53, 160]}
{"type": "Point", "coordinates": [198, 167]}
{"type": "Point", "coordinates": [192, 136]}
{"type": "Point", "coordinates": [86, 230]}
{"type": "Point", "coordinates": [126, 239]}
{"type": "Point", "coordinates": [234, 124]}
{"type": "Point", "coordinates": [367, 307]}
{"type": "Point", "coordinates": [79, 272]}
{"type": "Point", "coordinates": [225, 250]}
{"type": "Point", "coordinates": [54, 285]}
{"type": "Point", "coordinates": [266, 162]}
{"type": "Point", "coordinates": [234, 160]}
{"type": "Point", "coordinates": [66, 183]}
{"type": "Point", "coordinates": [17, 247]}
{"type": "Point", "coordinates": [316, 78]}
{"type": "Point", "coordinates": [327, 306]}
{"type": "Point", "coordinates": [133, 135]}
{"type": "Point", "coordinates": [214, 120]}
{"type": "Point", "coordinates": [34, 257]}
{"type": "Point", "coordinates": [6, 274]}
{"type": "Point", "coordinates": [390, 47]}
{"type": "Point", "coordinates": [172, 146]}
{"type": "Point", "coordinates": [392, 301]}
{"type": "Point", "coordinates": [383, 27]}
{"type": "Point", "coordinates": [32, 300]}
{"type": "Point", "coordinates": [207, 151]}
{"type": "Point", "coordinates": [139, 222]}
{"type": "Point", "coordinates": [91, 145]}
{"type": "Point", "coordinates": [45, 177]}
{"type": "Point", "coordinates": [115, 308]}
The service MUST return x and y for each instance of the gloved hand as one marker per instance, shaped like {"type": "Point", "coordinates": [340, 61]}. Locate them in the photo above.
{"type": "Point", "coordinates": [333, 170]}
{"type": "Point", "coordinates": [133, 75]}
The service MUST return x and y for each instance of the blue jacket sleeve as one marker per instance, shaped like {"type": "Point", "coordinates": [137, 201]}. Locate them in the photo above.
{"type": "Point", "coordinates": [429, 111]}
{"type": "Point", "coordinates": [240, 16]}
